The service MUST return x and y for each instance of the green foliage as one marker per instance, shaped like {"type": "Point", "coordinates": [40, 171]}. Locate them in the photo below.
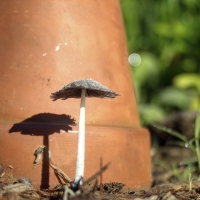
{"type": "Point", "coordinates": [197, 137]}
{"type": "Point", "coordinates": [149, 114]}
{"type": "Point", "coordinates": [166, 35]}
{"type": "Point", "coordinates": [192, 144]}
{"type": "Point", "coordinates": [191, 82]}
{"type": "Point", "coordinates": [190, 177]}
{"type": "Point", "coordinates": [184, 174]}
{"type": "Point", "coordinates": [181, 173]}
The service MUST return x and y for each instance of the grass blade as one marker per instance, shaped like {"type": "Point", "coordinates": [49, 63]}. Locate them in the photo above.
{"type": "Point", "coordinates": [196, 136]}
{"type": "Point", "coordinates": [171, 132]}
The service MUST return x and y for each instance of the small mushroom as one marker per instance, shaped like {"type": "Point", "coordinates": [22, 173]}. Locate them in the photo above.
{"type": "Point", "coordinates": [81, 89]}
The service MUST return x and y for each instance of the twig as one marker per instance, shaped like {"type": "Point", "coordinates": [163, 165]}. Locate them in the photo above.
{"type": "Point", "coordinates": [68, 192]}
{"type": "Point", "coordinates": [56, 169]}
{"type": "Point", "coordinates": [105, 167]}
{"type": "Point", "coordinates": [101, 177]}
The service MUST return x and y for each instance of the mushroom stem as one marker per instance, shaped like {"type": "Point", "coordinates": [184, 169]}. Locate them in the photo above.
{"type": "Point", "coordinates": [81, 141]}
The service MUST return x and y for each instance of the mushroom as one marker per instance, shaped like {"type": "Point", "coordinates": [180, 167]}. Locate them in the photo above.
{"type": "Point", "coordinates": [81, 89]}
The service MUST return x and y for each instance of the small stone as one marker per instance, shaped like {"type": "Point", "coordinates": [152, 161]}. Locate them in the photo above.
{"type": "Point", "coordinates": [172, 197]}
{"type": "Point", "coordinates": [153, 197]}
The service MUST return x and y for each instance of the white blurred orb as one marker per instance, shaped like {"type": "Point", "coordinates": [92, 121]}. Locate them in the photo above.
{"type": "Point", "coordinates": [134, 59]}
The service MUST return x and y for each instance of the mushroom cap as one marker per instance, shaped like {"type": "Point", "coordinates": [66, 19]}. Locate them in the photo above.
{"type": "Point", "coordinates": [92, 89]}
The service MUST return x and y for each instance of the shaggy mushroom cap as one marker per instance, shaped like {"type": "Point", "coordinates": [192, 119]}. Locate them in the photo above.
{"type": "Point", "coordinates": [93, 89]}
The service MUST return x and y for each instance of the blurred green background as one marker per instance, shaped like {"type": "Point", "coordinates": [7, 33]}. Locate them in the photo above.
{"type": "Point", "coordinates": [166, 34]}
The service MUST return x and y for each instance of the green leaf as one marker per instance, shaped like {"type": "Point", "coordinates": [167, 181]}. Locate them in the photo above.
{"type": "Point", "coordinates": [150, 113]}
{"type": "Point", "coordinates": [172, 96]}
{"type": "Point", "coordinates": [187, 80]}
{"type": "Point", "coordinates": [148, 70]}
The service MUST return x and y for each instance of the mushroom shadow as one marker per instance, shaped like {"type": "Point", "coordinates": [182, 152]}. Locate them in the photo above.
{"type": "Point", "coordinates": [44, 124]}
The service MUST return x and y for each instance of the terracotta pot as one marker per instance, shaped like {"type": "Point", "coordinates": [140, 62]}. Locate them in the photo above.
{"type": "Point", "coordinates": [44, 46]}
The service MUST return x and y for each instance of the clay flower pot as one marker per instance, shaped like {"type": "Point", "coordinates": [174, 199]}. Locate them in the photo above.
{"type": "Point", "coordinates": [44, 46]}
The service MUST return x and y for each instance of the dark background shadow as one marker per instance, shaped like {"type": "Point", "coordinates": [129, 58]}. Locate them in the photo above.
{"type": "Point", "coordinates": [44, 124]}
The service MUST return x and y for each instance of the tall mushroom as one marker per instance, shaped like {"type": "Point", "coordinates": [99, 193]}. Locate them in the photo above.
{"type": "Point", "coordinates": [81, 89]}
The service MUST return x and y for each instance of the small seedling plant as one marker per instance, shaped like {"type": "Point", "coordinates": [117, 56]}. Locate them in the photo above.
{"type": "Point", "coordinates": [191, 178]}
{"type": "Point", "coordinates": [192, 144]}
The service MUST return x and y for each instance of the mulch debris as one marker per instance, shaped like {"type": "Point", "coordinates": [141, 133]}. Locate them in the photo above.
{"type": "Point", "coordinates": [23, 190]}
